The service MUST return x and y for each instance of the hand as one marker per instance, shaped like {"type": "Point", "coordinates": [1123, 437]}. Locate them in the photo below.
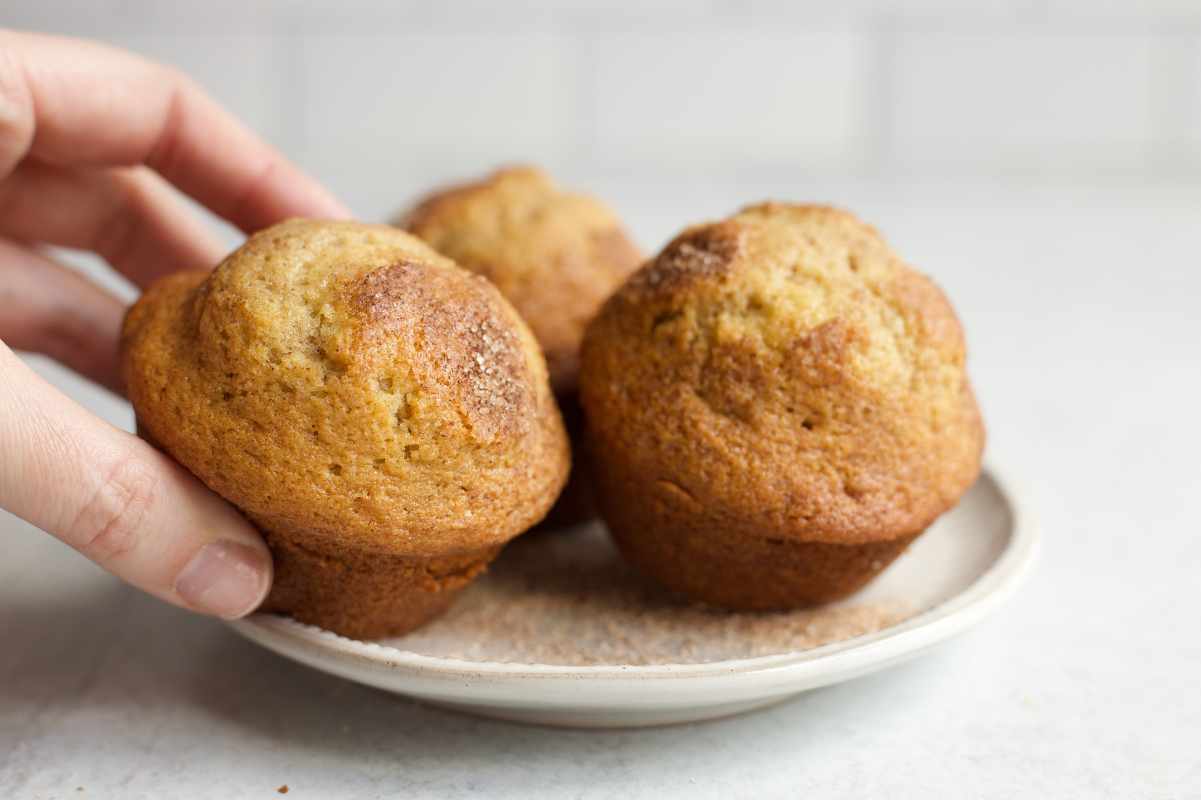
{"type": "Point", "coordinates": [91, 141]}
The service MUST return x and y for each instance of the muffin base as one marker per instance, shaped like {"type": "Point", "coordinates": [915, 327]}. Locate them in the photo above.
{"type": "Point", "coordinates": [749, 573]}
{"type": "Point", "coordinates": [366, 595]}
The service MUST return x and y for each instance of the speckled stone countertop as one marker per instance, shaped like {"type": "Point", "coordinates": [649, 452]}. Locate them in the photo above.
{"type": "Point", "coordinates": [1081, 312]}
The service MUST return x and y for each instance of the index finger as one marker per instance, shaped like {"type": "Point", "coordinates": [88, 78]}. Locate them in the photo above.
{"type": "Point", "coordinates": [76, 103]}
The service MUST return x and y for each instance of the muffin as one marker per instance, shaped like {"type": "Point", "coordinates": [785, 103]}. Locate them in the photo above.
{"type": "Point", "coordinates": [776, 406]}
{"type": "Point", "coordinates": [555, 255]}
{"type": "Point", "coordinates": [384, 417]}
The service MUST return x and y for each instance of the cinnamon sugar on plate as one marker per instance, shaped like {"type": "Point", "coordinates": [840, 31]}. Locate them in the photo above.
{"type": "Point", "coordinates": [567, 598]}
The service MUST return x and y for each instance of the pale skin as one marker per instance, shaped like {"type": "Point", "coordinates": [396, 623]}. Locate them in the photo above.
{"type": "Point", "coordinates": [96, 145]}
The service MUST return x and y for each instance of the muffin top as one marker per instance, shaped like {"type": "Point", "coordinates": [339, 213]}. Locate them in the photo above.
{"type": "Point", "coordinates": [348, 382]}
{"type": "Point", "coordinates": [555, 255]}
{"type": "Point", "coordinates": [784, 370]}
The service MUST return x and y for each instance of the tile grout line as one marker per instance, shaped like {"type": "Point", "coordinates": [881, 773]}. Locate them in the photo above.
{"type": "Point", "coordinates": [879, 115]}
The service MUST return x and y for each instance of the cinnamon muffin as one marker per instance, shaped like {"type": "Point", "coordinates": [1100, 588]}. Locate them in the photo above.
{"type": "Point", "coordinates": [383, 416]}
{"type": "Point", "coordinates": [555, 255]}
{"type": "Point", "coordinates": [777, 406]}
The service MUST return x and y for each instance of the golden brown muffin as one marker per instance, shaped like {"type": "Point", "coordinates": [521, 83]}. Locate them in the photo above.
{"type": "Point", "coordinates": [556, 256]}
{"type": "Point", "coordinates": [777, 406]}
{"type": "Point", "coordinates": [383, 416]}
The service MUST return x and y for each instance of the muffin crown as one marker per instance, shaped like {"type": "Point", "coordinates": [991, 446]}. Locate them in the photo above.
{"type": "Point", "coordinates": [347, 381]}
{"type": "Point", "coordinates": [784, 369]}
{"type": "Point", "coordinates": [555, 255]}
{"type": "Point", "coordinates": [396, 319]}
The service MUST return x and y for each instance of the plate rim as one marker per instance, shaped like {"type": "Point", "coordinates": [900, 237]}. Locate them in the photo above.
{"type": "Point", "coordinates": [989, 590]}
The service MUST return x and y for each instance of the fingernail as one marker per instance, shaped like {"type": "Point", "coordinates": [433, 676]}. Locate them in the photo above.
{"type": "Point", "coordinates": [225, 578]}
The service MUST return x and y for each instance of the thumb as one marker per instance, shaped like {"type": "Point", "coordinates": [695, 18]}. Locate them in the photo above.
{"type": "Point", "coordinates": [121, 503]}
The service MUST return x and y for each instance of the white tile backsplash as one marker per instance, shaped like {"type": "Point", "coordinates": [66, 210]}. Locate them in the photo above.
{"type": "Point", "coordinates": [101, 18]}
{"type": "Point", "coordinates": [407, 104]}
{"type": "Point", "coordinates": [1026, 102]}
{"type": "Point", "coordinates": [1151, 13]}
{"type": "Point", "coordinates": [426, 93]}
{"type": "Point", "coordinates": [1188, 98]}
{"type": "Point", "coordinates": [988, 12]}
{"type": "Point", "coordinates": [1176, 104]}
{"type": "Point", "coordinates": [95, 18]}
{"type": "Point", "coordinates": [379, 95]}
{"type": "Point", "coordinates": [720, 99]}
{"type": "Point", "coordinates": [241, 71]}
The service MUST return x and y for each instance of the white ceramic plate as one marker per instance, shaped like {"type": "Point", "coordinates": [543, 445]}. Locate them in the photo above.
{"type": "Point", "coordinates": [962, 568]}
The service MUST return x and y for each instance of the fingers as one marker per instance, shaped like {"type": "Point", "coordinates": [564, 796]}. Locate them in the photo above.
{"type": "Point", "coordinates": [121, 503]}
{"type": "Point", "coordinates": [129, 216]}
{"type": "Point", "coordinates": [53, 310]}
{"type": "Point", "coordinates": [77, 103]}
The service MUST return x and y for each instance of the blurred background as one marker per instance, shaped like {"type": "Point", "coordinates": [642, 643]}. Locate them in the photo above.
{"type": "Point", "coordinates": [1041, 159]}
{"type": "Point", "coordinates": [380, 98]}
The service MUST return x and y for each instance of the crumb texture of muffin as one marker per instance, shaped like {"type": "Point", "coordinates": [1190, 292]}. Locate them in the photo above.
{"type": "Point", "coordinates": [384, 417]}
{"type": "Point", "coordinates": [555, 255]}
{"type": "Point", "coordinates": [776, 407]}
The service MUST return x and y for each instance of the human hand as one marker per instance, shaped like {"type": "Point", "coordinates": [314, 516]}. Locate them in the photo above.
{"type": "Point", "coordinates": [92, 140]}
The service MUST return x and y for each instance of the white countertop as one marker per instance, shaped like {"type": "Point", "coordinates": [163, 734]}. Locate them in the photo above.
{"type": "Point", "coordinates": [1082, 310]}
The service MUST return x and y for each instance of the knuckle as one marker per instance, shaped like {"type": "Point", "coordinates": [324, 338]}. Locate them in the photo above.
{"type": "Point", "coordinates": [164, 152]}
{"type": "Point", "coordinates": [16, 110]}
{"type": "Point", "coordinates": [254, 188]}
{"type": "Point", "coordinates": [118, 234]}
{"type": "Point", "coordinates": [111, 523]}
